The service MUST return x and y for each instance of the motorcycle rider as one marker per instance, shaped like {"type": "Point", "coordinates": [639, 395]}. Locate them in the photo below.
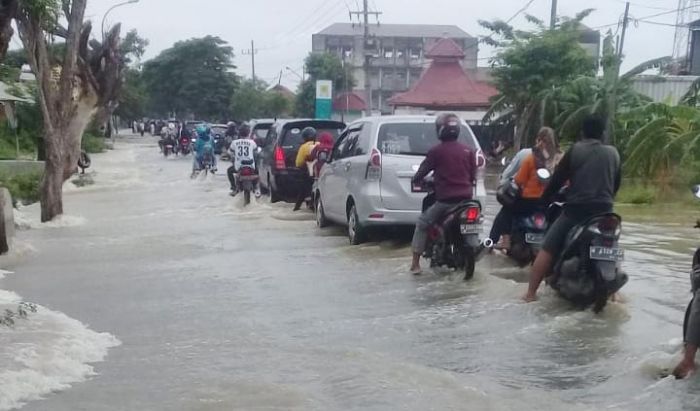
{"type": "Point", "coordinates": [691, 333]}
{"type": "Point", "coordinates": [594, 174]}
{"type": "Point", "coordinates": [242, 150]}
{"type": "Point", "coordinates": [454, 167]}
{"type": "Point", "coordinates": [545, 154]}
{"type": "Point", "coordinates": [204, 142]}
{"type": "Point", "coordinates": [306, 185]}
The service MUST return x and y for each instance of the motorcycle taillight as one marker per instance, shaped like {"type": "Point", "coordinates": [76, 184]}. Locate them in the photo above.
{"type": "Point", "coordinates": [608, 224]}
{"type": "Point", "coordinates": [540, 220]}
{"type": "Point", "coordinates": [246, 172]}
{"type": "Point", "coordinates": [472, 214]}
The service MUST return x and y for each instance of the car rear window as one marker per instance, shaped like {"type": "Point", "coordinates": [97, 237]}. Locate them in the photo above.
{"type": "Point", "coordinates": [414, 138]}
{"type": "Point", "coordinates": [292, 133]}
{"type": "Point", "coordinates": [260, 130]}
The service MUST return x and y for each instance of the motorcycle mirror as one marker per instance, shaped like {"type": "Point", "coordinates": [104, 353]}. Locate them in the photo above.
{"type": "Point", "coordinates": [544, 174]}
{"type": "Point", "coordinates": [696, 191]}
{"type": "Point", "coordinates": [504, 161]}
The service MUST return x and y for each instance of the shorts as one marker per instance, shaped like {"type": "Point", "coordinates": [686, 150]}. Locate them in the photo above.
{"type": "Point", "coordinates": [555, 239]}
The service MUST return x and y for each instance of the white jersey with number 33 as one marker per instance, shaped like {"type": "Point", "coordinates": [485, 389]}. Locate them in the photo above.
{"type": "Point", "coordinates": [243, 150]}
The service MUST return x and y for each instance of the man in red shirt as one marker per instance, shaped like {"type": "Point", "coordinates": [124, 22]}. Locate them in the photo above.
{"type": "Point", "coordinates": [454, 171]}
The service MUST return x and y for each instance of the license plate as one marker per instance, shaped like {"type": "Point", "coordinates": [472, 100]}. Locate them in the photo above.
{"type": "Point", "coordinates": [534, 238]}
{"type": "Point", "coordinates": [607, 254]}
{"type": "Point", "coordinates": [470, 228]}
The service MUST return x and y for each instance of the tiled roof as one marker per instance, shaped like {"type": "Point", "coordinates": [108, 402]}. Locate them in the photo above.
{"type": "Point", "coordinates": [349, 101]}
{"type": "Point", "coordinates": [446, 84]}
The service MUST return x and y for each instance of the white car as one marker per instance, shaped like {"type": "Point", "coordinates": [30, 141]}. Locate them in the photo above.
{"type": "Point", "coordinates": [367, 182]}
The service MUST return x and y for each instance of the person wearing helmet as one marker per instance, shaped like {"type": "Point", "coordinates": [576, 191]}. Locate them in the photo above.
{"type": "Point", "coordinates": [454, 168]}
{"type": "Point", "coordinates": [309, 136]}
{"type": "Point", "coordinates": [204, 144]}
{"type": "Point", "coordinates": [243, 151]}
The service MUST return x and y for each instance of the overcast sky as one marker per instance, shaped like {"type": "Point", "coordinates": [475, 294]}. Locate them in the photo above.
{"type": "Point", "coordinates": [282, 28]}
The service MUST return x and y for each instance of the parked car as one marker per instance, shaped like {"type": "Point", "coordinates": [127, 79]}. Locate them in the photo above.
{"type": "Point", "coordinates": [367, 182]}
{"type": "Point", "coordinates": [259, 129]}
{"type": "Point", "coordinates": [278, 173]}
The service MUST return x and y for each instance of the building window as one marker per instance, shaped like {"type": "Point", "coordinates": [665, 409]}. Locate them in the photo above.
{"type": "Point", "coordinates": [388, 53]}
{"type": "Point", "coordinates": [347, 52]}
{"type": "Point", "coordinates": [399, 54]}
{"type": "Point", "coordinates": [414, 53]}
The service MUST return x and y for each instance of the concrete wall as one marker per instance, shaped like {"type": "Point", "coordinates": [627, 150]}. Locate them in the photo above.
{"type": "Point", "coordinates": [16, 167]}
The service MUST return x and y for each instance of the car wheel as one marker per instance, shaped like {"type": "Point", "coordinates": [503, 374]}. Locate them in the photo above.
{"type": "Point", "coordinates": [321, 220]}
{"type": "Point", "coordinates": [356, 233]}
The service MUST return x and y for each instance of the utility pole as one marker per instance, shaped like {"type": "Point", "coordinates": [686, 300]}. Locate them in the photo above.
{"type": "Point", "coordinates": [553, 18]}
{"type": "Point", "coordinates": [612, 103]}
{"type": "Point", "coordinates": [252, 52]}
{"type": "Point", "coordinates": [368, 43]}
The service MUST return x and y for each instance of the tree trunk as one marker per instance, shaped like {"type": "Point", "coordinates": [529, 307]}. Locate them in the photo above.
{"type": "Point", "coordinates": [52, 183]}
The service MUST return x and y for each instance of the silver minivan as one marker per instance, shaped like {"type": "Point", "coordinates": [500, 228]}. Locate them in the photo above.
{"type": "Point", "coordinates": [367, 181]}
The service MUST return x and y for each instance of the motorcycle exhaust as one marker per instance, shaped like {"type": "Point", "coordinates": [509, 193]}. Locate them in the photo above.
{"type": "Point", "coordinates": [487, 244]}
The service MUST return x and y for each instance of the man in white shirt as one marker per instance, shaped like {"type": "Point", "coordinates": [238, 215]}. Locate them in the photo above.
{"type": "Point", "coordinates": [242, 151]}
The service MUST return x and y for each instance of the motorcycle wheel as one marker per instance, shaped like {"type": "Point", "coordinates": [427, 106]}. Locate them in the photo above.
{"type": "Point", "coordinates": [469, 255]}
{"type": "Point", "coordinates": [246, 197]}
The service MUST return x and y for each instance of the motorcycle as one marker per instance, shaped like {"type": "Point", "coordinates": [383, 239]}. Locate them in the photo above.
{"type": "Point", "coordinates": [168, 146]}
{"type": "Point", "coordinates": [454, 240]}
{"type": "Point", "coordinates": [185, 146]}
{"type": "Point", "coordinates": [694, 276]}
{"type": "Point", "coordinates": [527, 233]}
{"type": "Point", "coordinates": [247, 181]}
{"type": "Point", "coordinates": [207, 162]}
{"type": "Point", "coordinates": [588, 270]}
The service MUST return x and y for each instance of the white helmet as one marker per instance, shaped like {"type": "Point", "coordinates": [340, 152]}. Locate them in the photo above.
{"type": "Point", "coordinates": [171, 126]}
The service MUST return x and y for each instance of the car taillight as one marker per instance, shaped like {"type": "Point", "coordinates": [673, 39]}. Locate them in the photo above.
{"type": "Point", "coordinates": [279, 158]}
{"type": "Point", "coordinates": [540, 221]}
{"type": "Point", "coordinates": [374, 165]}
{"type": "Point", "coordinates": [472, 214]}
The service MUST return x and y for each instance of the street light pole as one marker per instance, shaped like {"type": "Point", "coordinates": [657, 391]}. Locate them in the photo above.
{"type": "Point", "coordinates": [104, 19]}
{"type": "Point", "coordinates": [301, 77]}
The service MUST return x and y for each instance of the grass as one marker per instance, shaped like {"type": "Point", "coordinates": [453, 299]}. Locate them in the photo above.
{"type": "Point", "coordinates": [23, 187]}
{"type": "Point", "coordinates": [93, 144]}
{"type": "Point", "coordinates": [637, 194]}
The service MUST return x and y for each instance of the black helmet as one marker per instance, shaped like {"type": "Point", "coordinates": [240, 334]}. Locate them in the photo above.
{"type": "Point", "coordinates": [308, 134]}
{"type": "Point", "coordinates": [448, 127]}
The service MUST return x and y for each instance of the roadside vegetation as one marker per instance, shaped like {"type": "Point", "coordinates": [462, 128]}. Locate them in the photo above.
{"type": "Point", "coordinates": [545, 78]}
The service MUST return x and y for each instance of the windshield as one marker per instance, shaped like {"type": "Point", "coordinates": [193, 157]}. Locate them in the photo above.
{"type": "Point", "coordinates": [261, 130]}
{"type": "Point", "coordinates": [292, 136]}
{"type": "Point", "coordinates": [414, 138]}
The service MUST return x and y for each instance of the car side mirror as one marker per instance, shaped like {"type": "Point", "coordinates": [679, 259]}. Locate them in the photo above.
{"type": "Point", "coordinates": [696, 191]}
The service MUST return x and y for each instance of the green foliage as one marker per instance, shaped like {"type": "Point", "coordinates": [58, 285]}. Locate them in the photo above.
{"type": "Point", "coordinates": [93, 144]}
{"type": "Point", "coordinates": [636, 194]}
{"type": "Point", "coordinates": [529, 68]}
{"type": "Point", "coordinates": [193, 77]}
{"type": "Point", "coordinates": [133, 97]}
{"type": "Point", "coordinates": [23, 187]}
{"type": "Point", "coordinates": [133, 46]}
{"type": "Point", "coordinates": [257, 101]}
{"type": "Point", "coordinates": [321, 66]}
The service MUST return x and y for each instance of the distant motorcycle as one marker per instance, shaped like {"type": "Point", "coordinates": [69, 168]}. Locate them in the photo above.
{"type": "Point", "coordinates": [207, 162]}
{"type": "Point", "coordinates": [454, 240]}
{"type": "Point", "coordinates": [588, 271]}
{"type": "Point", "coordinates": [185, 146]}
{"type": "Point", "coordinates": [168, 147]}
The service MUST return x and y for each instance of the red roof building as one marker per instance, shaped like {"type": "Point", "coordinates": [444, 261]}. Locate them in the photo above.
{"type": "Point", "coordinates": [349, 101]}
{"type": "Point", "coordinates": [446, 85]}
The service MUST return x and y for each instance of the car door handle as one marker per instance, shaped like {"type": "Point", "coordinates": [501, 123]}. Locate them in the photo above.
{"type": "Point", "coordinates": [348, 166]}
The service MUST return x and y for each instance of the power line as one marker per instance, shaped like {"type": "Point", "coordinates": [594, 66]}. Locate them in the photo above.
{"type": "Point", "coordinates": [302, 23]}
{"type": "Point", "coordinates": [644, 5]}
{"type": "Point", "coordinates": [292, 38]}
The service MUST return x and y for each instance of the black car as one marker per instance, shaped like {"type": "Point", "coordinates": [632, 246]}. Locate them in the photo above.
{"type": "Point", "coordinates": [218, 131]}
{"type": "Point", "coordinates": [278, 172]}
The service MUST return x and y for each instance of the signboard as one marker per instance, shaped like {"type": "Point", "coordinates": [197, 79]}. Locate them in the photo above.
{"type": "Point", "coordinates": [324, 99]}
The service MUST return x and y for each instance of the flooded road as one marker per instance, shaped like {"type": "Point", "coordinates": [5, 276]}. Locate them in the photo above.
{"type": "Point", "coordinates": [204, 305]}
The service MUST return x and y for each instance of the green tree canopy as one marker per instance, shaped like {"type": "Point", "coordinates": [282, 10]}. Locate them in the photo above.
{"type": "Point", "coordinates": [193, 77]}
{"type": "Point", "coordinates": [257, 101]}
{"type": "Point", "coordinates": [321, 66]}
{"type": "Point", "coordinates": [529, 65]}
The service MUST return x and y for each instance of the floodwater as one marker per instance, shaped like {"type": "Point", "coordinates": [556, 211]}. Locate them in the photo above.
{"type": "Point", "coordinates": [156, 292]}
